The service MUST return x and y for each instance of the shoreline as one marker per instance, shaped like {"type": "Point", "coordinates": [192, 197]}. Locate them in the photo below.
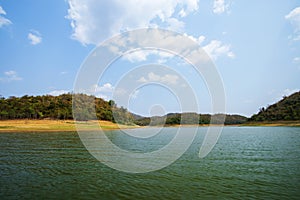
{"type": "Point", "coordinates": [46, 125]}
{"type": "Point", "coordinates": [295, 123]}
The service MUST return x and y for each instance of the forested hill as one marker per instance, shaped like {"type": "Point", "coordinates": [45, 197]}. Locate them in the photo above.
{"type": "Point", "coordinates": [189, 118]}
{"type": "Point", "coordinates": [60, 107]}
{"type": "Point", "coordinates": [287, 109]}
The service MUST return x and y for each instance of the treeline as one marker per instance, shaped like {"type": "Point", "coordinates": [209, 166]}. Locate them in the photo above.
{"type": "Point", "coordinates": [189, 118]}
{"type": "Point", "coordinates": [287, 109]}
{"type": "Point", "coordinates": [60, 107]}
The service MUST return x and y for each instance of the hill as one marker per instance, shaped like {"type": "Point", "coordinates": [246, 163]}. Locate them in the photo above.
{"type": "Point", "coordinates": [60, 107]}
{"type": "Point", "coordinates": [287, 109]}
{"type": "Point", "coordinates": [189, 118]}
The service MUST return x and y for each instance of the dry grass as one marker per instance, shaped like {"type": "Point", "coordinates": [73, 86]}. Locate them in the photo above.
{"type": "Point", "coordinates": [273, 123]}
{"type": "Point", "coordinates": [55, 125]}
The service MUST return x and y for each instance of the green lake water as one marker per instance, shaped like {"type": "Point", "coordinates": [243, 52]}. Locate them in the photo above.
{"type": "Point", "coordinates": [246, 163]}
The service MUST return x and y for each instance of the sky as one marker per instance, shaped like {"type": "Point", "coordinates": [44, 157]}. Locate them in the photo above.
{"type": "Point", "coordinates": [255, 46]}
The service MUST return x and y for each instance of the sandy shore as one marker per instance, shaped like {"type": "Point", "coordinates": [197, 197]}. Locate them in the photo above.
{"type": "Point", "coordinates": [55, 125]}
{"type": "Point", "coordinates": [273, 123]}
{"type": "Point", "coordinates": [69, 125]}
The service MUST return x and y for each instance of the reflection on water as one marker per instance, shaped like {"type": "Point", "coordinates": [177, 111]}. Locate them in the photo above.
{"type": "Point", "coordinates": [247, 162]}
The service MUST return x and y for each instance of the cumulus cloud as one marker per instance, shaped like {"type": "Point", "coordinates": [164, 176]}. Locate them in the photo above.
{"type": "Point", "coordinates": [93, 21]}
{"type": "Point", "coordinates": [167, 78]}
{"type": "Point", "coordinates": [142, 55]}
{"type": "Point", "coordinates": [104, 91]}
{"type": "Point", "coordinates": [58, 92]}
{"type": "Point", "coordinates": [10, 76]}
{"type": "Point", "coordinates": [34, 37]}
{"type": "Point", "coordinates": [220, 7]}
{"type": "Point", "coordinates": [134, 41]}
{"type": "Point", "coordinates": [199, 40]}
{"type": "Point", "coordinates": [137, 56]}
{"type": "Point", "coordinates": [3, 21]}
{"type": "Point", "coordinates": [294, 18]}
{"type": "Point", "coordinates": [216, 49]}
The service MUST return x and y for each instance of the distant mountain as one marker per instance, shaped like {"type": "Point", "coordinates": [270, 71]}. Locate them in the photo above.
{"type": "Point", "coordinates": [287, 109]}
{"type": "Point", "coordinates": [189, 118]}
{"type": "Point", "coordinates": [60, 107]}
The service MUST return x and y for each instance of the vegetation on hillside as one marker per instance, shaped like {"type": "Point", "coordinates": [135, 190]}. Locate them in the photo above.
{"type": "Point", "coordinates": [190, 118]}
{"type": "Point", "coordinates": [287, 109]}
{"type": "Point", "coordinates": [60, 107]}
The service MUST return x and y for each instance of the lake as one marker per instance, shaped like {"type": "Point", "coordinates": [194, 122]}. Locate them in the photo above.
{"type": "Point", "coordinates": [246, 163]}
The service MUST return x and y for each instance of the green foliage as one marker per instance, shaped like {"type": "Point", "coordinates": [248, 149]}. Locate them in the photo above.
{"type": "Point", "coordinates": [87, 107]}
{"type": "Point", "coordinates": [189, 118]}
{"type": "Point", "coordinates": [285, 110]}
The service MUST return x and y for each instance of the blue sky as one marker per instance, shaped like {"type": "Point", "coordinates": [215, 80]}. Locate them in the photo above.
{"type": "Point", "coordinates": [255, 46]}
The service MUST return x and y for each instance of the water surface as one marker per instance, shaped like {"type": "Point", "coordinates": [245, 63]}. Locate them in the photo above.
{"type": "Point", "coordinates": [246, 163]}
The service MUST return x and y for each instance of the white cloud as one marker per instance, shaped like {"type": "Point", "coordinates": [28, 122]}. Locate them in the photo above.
{"type": "Point", "coordinates": [152, 77]}
{"type": "Point", "coordinates": [10, 76]}
{"type": "Point", "coordinates": [136, 56]}
{"type": "Point", "coordinates": [58, 92]}
{"type": "Point", "coordinates": [93, 21]}
{"type": "Point", "coordinates": [2, 12]}
{"type": "Point", "coordinates": [182, 13]}
{"type": "Point", "coordinates": [104, 91]}
{"type": "Point", "coordinates": [107, 87]}
{"type": "Point", "coordinates": [288, 92]}
{"type": "Point", "coordinates": [34, 37]}
{"type": "Point", "coordinates": [175, 24]}
{"type": "Point", "coordinates": [3, 21]}
{"type": "Point", "coordinates": [199, 40]}
{"type": "Point", "coordinates": [296, 60]}
{"type": "Point", "coordinates": [142, 55]}
{"type": "Point", "coordinates": [216, 49]}
{"type": "Point", "coordinates": [219, 6]}
{"type": "Point", "coordinates": [135, 40]}
{"type": "Point", "coordinates": [294, 18]}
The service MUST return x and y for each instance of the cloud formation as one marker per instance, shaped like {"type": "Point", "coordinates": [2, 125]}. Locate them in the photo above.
{"type": "Point", "coordinates": [58, 92]}
{"type": "Point", "coordinates": [3, 21]}
{"type": "Point", "coordinates": [10, 76]}
{"type": "Point", "coordinates": [216, 48]}
{"type": "Point", "coordinates": [34, 37]}
{"type": "Point", "coordinates": [167, 78]}
{"type": "Point", "coordinates": [142, 55]}
{"type": "Point", "coordinates": [134, 41]}
{"type": "Point", "coordinates": [93, 21]}
{"type": "Point", "coordinates": [220, 7]}
{"type": "Point", "coordinates": [294, 19]}
{"type": "Point", "coordinates": [104, 91]}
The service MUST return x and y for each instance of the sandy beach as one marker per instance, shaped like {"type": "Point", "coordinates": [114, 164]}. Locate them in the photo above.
{"type": "Point", "coordinates": [55, 125]}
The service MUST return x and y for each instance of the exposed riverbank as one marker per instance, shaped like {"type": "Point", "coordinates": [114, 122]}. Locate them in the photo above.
{"type": "Point", "coordinates": [273, 123]}
{"type": "Point", "coordinates": [69, 125]}
{"type": "Point", "coordinates": [56, 125]}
